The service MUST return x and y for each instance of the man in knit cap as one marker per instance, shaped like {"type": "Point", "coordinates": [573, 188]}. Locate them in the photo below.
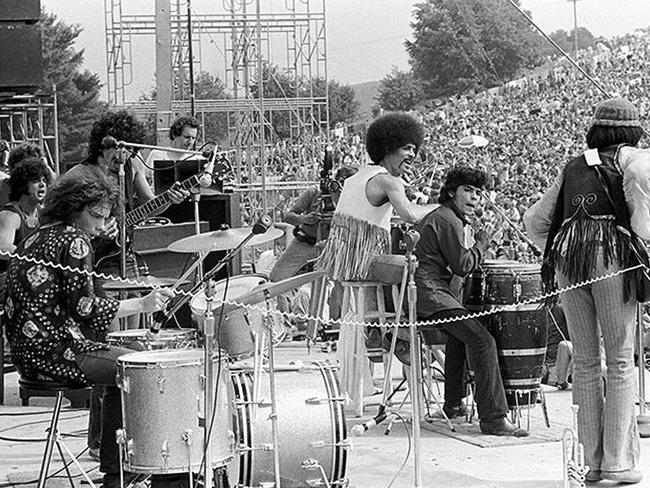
{"type": "Point", "coordinates": [583, 223]}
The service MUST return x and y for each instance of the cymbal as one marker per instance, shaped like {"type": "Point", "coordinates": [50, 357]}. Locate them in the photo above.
{"type": "Point", "coordinates": [270, 290]}
{"type": "Point", "coordinates": [141, 283]}
{"type": "Point", "coordinates": [222, 240]}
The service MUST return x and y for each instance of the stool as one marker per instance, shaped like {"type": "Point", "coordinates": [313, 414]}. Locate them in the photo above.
{"type": "Point", "coordinates": [55, 389]}
{"type": "Point", "coordinates": [79, 397]}
{"type": "Point", "coordinates": [355, 366]}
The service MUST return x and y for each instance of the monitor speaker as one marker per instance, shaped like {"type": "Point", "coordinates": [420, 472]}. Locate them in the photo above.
{"type": "Point", "coordinates": [22, 60]}
{"type": "Point", "coordinates": [20, 10]}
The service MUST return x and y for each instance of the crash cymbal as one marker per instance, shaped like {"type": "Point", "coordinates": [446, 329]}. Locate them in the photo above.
{"type": "Point", "coordinates": [222, 240]}
{"type": "Point", "coordinates": [260, 292]}
{"type": "Point", "coordinates": [141, 283]}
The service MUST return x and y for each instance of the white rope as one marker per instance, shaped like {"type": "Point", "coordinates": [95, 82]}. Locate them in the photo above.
{"type": "Point", "coordinates": [261, 308]}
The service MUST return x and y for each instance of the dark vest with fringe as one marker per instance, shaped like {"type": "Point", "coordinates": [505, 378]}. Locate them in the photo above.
{"type": "Point", "coordinates": [587, 221]}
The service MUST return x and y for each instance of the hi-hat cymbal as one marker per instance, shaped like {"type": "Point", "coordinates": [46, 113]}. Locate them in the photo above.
{"type": "Point", "coordinates": [141, 283]}
{"type": "Point", "coordinates": [222, 240]}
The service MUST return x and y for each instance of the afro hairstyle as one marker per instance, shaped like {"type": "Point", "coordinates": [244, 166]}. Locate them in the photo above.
{"type": "Point", "coordinates": [389, 132]}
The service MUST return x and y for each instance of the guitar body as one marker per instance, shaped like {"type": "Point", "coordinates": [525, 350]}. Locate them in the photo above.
{"type": "Point", "coordinates": [109, 249]}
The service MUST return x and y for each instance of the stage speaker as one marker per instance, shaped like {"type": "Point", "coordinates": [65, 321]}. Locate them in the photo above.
{"type": "Point", "coordinates": [20, 10]}
{"type": "Point", "coordinates": [216, 208]}
{"type": "Point", "coordinates": [21, 59]}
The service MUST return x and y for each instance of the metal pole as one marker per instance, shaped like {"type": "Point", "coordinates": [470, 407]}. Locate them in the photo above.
{"type": "Point", "coordinates": [575, 28]}
{"type": "Point", "coordinates": [416, 370]}
{"type": "Point", "coordinates": [260, 94]}
{"type": "Point", "coordinates": [208, 334]}
{"type": "Point", "coordinates": [190, 54]}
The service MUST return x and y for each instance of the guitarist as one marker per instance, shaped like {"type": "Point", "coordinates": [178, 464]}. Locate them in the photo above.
{"type": "Point", "coordinates": [120, 126]}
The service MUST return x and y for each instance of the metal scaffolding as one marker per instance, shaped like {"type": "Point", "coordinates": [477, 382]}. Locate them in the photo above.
{"type": "Point", "coordinates": [31, 118]}
{"type": "Point", "coordinates": [248, 45]}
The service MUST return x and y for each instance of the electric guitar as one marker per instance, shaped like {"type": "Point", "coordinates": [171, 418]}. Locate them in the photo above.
{"type": "Point", "coordinates": [110, 248]}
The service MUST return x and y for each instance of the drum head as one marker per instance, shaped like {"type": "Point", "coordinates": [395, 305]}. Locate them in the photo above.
{"type": "Point", "coordinates": [161, 356]}
{"type": "Point", "coordinates": [503, 266]}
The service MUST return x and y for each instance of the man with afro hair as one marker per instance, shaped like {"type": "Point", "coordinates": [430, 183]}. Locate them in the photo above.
{"type": "Point", "coordinates": [361, 224]}
{"type": "Point", "coordinates": [447, 253]}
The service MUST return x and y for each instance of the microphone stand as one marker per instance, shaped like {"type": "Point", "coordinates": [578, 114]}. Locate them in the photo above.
{"type": "Point", "coordinates": [121, 181]}
{"type": "Point", "coordinates": [208, 398]}
{"type": "Point", "coordinates": [416, 367]}
{"type": "Point", "coordinates": [536, 251]}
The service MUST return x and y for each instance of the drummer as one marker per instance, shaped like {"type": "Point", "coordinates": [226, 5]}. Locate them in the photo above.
{"type": "Point", "coordinates": [447, 252]}
{"type": "Point", "coordinates": [47, 302]}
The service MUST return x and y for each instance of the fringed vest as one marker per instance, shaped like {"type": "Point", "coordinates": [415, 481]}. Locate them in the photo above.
{"type": "Point", "coordinates": [359, 230]}
{"type": "Point", "coordinates": [586, 221]}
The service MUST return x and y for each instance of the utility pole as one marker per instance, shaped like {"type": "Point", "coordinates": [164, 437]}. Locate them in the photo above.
{"type": "Point", "coordinates": [575, 28]}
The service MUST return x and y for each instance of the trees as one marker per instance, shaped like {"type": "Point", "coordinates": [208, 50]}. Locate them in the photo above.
{"type": "Point", "coordinates": [469, 44]}
{"type": "Point", "coordinates": [566, 41]}
{"type": "Point", "coordinates": [77, 89]}
{"type": "Point", "coordinates": [399, 90]}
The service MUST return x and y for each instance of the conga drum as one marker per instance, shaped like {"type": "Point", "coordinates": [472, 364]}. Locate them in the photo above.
{"type": "Point", "coordinates": [520, 330]}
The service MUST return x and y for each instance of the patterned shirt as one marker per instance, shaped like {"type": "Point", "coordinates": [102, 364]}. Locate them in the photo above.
{"type": "Point", "coordinates": [45, 304]}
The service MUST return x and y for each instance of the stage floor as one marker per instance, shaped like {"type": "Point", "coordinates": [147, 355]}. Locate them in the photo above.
{"type": "Point", "coordinates": [463, 459]}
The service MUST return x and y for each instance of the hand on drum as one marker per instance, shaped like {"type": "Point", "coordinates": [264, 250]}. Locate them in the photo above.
{"type": "Point", "coordinates": [156, 300]}
{"type": "Point", "coordinates": [482, 238]}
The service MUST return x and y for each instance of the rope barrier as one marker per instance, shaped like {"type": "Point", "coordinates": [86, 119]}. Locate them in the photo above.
{"type": "Point", "coordinates": [261, 308]}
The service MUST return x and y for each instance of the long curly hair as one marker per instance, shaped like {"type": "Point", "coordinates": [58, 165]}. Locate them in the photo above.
{"type": "Point", "coordinates": [389, 132]}
{"type": "Point", "coordinates": [27, 171]}
{"type": "Point", "coordinates": [461, 175]}
{"type": "Point", "coordinates": [121, 124]}
{"type": "Point", "coordinates": [71, 193]}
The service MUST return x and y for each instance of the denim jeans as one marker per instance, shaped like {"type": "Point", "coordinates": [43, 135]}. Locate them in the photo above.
{"type": "Point", "coordinates": [607, 429]}
{"type": "Point", "coordinates": [100, 367]}
{"type": "Point", "coordinates": [470, 339]}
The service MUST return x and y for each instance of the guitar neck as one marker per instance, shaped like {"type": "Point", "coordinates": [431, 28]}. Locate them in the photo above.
{"type": "Point", "coordinates": [146, 210]}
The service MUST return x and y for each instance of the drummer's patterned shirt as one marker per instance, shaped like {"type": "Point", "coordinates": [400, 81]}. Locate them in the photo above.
{"type": "Point", "coordinates": [49, 294]}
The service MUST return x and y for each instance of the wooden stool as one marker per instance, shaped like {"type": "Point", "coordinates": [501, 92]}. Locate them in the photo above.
{"type": "Point", "coordinates": [363, 301]}
{"type": "Point", "coordinates": [53, 437]}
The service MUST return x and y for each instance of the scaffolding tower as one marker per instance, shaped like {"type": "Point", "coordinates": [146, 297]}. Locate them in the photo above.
{"type": "Point", "coordinates": [248, 45]}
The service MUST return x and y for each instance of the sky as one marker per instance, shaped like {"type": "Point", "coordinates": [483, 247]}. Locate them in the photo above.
{"type": "Point", "coordinates": [365, 38]}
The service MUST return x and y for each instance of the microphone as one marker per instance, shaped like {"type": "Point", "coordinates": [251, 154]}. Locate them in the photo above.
{"type": "Point", "coordinates": [359, 429]}
{"type": "Point", "coordinates": [411, 239]}
{"type": "Point", "coordinates": [262, 225]}
{"type": "Point", "coordinates": [109, 142]}
{"type": "Point", "coordinates": [205, 180]}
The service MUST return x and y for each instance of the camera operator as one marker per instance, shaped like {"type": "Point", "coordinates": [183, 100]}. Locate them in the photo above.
{"type": "Point", "coordinates": [310, 215]}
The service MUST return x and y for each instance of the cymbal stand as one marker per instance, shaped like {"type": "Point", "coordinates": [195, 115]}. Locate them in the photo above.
{"type": "Point", "coordinates": [274, 414]}
{"type": "Point", "coordinates": [196, 198]}
{"type": "Point", "coordinates": [208, 398]}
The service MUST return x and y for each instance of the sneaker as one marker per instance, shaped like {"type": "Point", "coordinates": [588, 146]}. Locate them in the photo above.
{"type": "Point", "coordinates": [629, 476]}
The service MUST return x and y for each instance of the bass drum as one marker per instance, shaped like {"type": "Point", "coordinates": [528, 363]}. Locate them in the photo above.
{"type": "Point", "coordinates": [162, 411]}
{"type": "Point", "coordinates": [311, 428]}
{"type": "Point", "coordinates": [235, 333]}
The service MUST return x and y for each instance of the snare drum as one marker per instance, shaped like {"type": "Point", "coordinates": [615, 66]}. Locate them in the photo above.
{"type": "Point", "coordinates": [520, 331]}
{"type": "Point", "coordinates": [311, 427]}
{"type": "Point", "coordinates": [162, 411]}
{"type": "Point", "coordinates": [235, 333]}
{"type": "Point", "coordinates": [143, 340]}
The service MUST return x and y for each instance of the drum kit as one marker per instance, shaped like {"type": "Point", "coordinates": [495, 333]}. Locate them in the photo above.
{"type": "Point", "coordinates": [193, 402]}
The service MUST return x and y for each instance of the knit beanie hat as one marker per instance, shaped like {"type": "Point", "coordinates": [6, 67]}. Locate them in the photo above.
{"type": "Point", "coordinates": [616, 112]}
